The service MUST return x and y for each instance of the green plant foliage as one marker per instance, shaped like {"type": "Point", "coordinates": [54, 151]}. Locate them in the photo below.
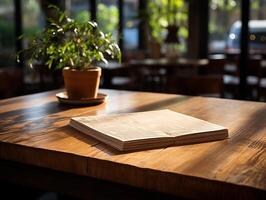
{"type": "Point", "coordinates": [70, 43]}
{"type": "Point", "coordinates": [162, 13]}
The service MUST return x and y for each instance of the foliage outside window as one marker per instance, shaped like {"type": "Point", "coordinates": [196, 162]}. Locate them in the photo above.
{"type": "Point", "coordinates": [33, 22]}
{"type": "Point", "coordinates": [82, 16]}
{"type": "Point", "coordinates": [162, 13]}
{"type": "Point", "coordinates": [7, 39]}
{"type": "Point", "coordinates": [78, 10]}
{"type": "Point", "coordinates": [107, 17]}
{"type": "Point", "coordinates": [7, 33]}
{"type": "Point", "coordinates": [223, 15]}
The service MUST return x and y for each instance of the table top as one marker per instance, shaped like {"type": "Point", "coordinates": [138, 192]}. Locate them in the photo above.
{"type": "Point", "coordinates": [34, 130]}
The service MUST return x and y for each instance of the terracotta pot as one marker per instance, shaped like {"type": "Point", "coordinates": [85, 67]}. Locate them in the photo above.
{"type": "Point", "coordinates": [82, 83]}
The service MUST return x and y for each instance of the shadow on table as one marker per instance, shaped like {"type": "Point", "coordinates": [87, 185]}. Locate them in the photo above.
{"type": "Point", "coordinates": [245, 134]}
{"type": "Point", "coordinates": [35, 117]}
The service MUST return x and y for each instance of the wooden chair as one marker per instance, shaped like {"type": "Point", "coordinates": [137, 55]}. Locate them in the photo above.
{"type": "Point", "coordinates": [11, 82]}
{"type": "Point", "coordinates": [49, 79]}
{"type": "Point", "coordinates": [150, 78]}
{"type": "Point", "coordinates": [214, 67]}
{"type": "Point", "coordinates": [231, 79]}
{"type": "Point", "coordinates": [129, 55]}
{"type": "Point", "coordinates": [5, 90]}
{"type": "Point", "coordinates": [211, 85]}
{"type": "Point", "coordinates": [210, 80]}
{"type": "Point", "coordinates": [120, 77]}
{"type": "Point", "coordinates": [262, 83]}
{"type": "Point", "coordinates": [262, 90]}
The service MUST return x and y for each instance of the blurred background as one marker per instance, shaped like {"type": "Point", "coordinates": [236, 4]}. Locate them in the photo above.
{"type": "Point", "coordinates": [209, 47]}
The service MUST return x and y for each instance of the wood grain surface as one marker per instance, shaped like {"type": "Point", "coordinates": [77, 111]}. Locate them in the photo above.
{"type": "Point", "coordinates": [34, 130]}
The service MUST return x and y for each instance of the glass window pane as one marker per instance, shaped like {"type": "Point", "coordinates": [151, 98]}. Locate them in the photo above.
{"type": "Point", "coordinates": [78, 9]}
{"type": "Point", "coordinates": [32, 19]}
{"type": "Point", "coordinates": [257, 27]}
{"type": "Point", "coordinates": [163, 15]}
{"type": "Point", "coordinates": [257, 11]}
{"type": "Point", "coordinates": [131, 23]}
{"type": "Point", "coordinates": [224, 26]}
{"type": "Point", "coordinates": [108, 16]}
{"type": "Point", "coordinates": [7, 33]}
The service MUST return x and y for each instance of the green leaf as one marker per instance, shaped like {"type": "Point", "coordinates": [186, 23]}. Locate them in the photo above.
{"type": "Point", "coordinates": [61, 17]}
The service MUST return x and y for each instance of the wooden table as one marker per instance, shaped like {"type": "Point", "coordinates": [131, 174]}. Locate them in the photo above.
{"type": "Point", "coordinates": [170, 62]}
{"type": "Point", "coordinates": [150, 74]}
{"type": "Point", "coordinates": [179, 66]}
{"type": "Point", "coordinates": [39, 149]}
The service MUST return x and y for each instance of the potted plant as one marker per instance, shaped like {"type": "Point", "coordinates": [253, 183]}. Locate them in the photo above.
{"type": "Point", "coordinates": [76, 48]}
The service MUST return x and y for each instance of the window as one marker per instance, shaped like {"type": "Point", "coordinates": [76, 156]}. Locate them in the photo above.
{"type": "Point", "coordinates": [78, 9]}
{"type": "Point", "coordinates": [223, 16]}
{"type": "Point", "coordinates": [163, 15]}
{"type": "Point", "coordinates": [32, 19]}
{"type": "Point", "coordinates": [33, 22]}
{"type": "Point", "coordinates": [131, 23]}
{"type": "Point", "coordinates": [7, 33]}
{"type": "Point", "coordinates": [225, 26]}
{"type": "Point", "coordinates": [257, 27]}
{"type": "Point", "coordinates": [108, 16]}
